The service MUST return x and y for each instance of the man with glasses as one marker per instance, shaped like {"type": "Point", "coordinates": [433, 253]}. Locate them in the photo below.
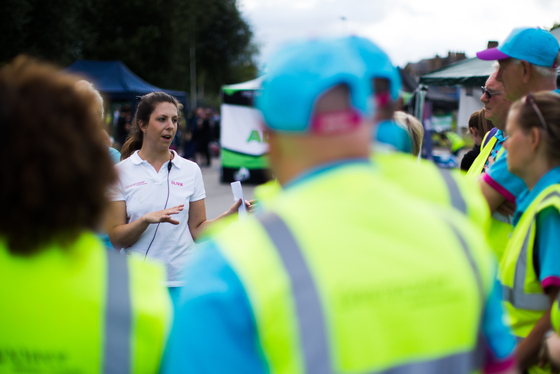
{"type": "Point", "coordinates": [527, 60]}
{"type": "Point", "coordinates": [496, 107]}
{"type": "Point", "coordinates": [527, 63]}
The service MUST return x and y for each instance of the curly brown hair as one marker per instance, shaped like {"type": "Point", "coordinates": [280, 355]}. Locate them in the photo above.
{"type": "Point", "coordinates": [144, 110]}
{"type": "Point", "coordinates": [55, 167]}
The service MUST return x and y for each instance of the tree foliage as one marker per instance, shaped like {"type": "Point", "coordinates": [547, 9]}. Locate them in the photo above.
{"type": "Point", "coordinates": [152, 37]}
{"type": "Point", "coordinates": [50, 30]}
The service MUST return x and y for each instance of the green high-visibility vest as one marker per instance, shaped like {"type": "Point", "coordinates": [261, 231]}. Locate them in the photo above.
{"type": "Point", "coordinates": [522, 293]}
{"type": "Point", "coordinates": [498, 236]}
{"type": "Point", "coordinates": [424, 180]}
{"type": "Point", "coordinates": [498, 231]}
{"type": "Point", "coordinates": [345, 273]}
{"type": "Point", "coordinates": [555, 314]}
{"type": "Point", "coordinates": [478, 165]}
{"type": "Point", "coordinates": [421, 179]}
{"type": "Point", "coordinates": [456, 141]}
{"type": "Point", "coordinates": [81, 309]}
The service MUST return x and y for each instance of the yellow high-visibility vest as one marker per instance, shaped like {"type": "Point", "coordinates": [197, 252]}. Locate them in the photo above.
{"type": "Point", "coordinates": [344, 274]}
{"type": "Point", "coordinates": [498, 231]}
{"type": "Point", "coordinates": [421, 179]}
{"type": "Point", "coordinates": [523, 295]}
{"type": "Point", "coordinates": [478, 165]}
{"type": "Point", "coordinates": [81, 309]}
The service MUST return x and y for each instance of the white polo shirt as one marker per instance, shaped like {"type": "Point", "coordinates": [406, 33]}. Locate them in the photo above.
{"type": "Point", "coordinates": [144, 190]}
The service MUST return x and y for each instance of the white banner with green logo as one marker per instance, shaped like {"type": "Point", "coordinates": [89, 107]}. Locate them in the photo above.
{"type": "Point", "coordinates": [242, 131]}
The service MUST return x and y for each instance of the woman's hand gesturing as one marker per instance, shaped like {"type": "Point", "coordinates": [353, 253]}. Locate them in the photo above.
{"type": "Point", "coordinates": [163, 215]}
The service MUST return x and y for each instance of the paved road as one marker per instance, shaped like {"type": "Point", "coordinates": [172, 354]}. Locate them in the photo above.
{"type": "Point", "coordinates": [218, 196]}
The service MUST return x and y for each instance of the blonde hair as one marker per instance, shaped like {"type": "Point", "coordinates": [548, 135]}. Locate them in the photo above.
{"type": "Point", "coordinates": [85, 86]}
{"type": "Point", "coordinates": [414, 129]}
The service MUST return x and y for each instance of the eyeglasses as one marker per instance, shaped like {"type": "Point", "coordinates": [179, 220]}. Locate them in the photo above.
{"type": "Point", "coordinates": [490, 94]}
{"type": "Point", "coordinates": [530, 98]}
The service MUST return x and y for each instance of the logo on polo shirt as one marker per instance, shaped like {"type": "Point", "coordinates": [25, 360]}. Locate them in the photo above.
{"type": "Point", "coordinates": [135, 184]}
{"type": "Point", "coordinates": [177, 183]}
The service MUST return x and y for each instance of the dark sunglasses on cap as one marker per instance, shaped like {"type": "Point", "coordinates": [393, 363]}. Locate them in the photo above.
{"type": "Point", "coordinates": [490, 94]}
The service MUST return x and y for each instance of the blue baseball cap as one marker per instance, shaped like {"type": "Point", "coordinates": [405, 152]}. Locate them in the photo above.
{"type": "Point", "coordinates": [300, 72]}
{"type": "Point", "coordinates": [378, 63]}
{"type": "Point", "coordinates": [534, 45]}
{"type": "Point", "coordinates": [391, 134]}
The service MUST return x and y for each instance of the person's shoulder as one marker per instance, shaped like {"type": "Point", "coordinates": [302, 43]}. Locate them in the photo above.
{"type": "Point", "coordinates": [403, 166]}
{"type": "Point", "coordinates": [126, 163]}
{"type": "Point", "coordinates": [114, 154]}
{"type": "Point", "coordinates": [184, 163]}
{"type": "Point", "coordinates": [227, 227]}
{"type": "Point", "coordinates": [468, 159]}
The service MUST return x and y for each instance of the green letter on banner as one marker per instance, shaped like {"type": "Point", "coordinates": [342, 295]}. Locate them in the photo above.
{"type": "Point", "coordinates": [254, 136]}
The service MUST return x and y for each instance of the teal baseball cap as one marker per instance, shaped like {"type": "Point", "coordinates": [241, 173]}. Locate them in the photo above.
{"type": "Point", "coordinates": [300, 73]}
{"type": "Point", "coordinates": [534, 45]}
{"type": "Point", "coordinates": [378, 63]}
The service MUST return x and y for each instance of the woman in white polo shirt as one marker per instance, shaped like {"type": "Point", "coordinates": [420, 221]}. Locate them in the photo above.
{"type": "Point", "coordinates": [157, 207]}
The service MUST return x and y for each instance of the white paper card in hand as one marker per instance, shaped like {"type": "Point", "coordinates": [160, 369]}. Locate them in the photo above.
{"type": "Point", "coordinates": [238, 194]}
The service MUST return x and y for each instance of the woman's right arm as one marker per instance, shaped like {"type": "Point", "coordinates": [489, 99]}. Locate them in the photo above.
{"type": "Point", "coordinates": [122, 234]}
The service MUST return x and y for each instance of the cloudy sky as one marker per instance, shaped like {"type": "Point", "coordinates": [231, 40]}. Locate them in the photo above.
{"type": "Point", "coordinates": [408, 30]}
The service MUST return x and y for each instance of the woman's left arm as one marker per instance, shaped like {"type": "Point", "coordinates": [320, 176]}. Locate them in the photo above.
{"type": "Point", "coordinates": [197, 216]}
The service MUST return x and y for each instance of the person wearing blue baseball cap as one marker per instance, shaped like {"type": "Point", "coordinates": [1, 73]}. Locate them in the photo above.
{"type": "Point", "coordinates": [340, 272]}
{"type": "Point", "coordinates": [386, 83]}
{"type": "Point", "coordinates": [528, 61]}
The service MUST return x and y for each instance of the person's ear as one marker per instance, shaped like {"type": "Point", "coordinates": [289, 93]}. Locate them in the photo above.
{"type": "Point", "coordinates": [535, 138]}
{"type": "Point", "coordinates": [527, 71]}
{"type": "Point", "coordinates": [141, 125]}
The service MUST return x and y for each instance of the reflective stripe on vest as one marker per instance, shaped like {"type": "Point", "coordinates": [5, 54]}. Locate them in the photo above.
{"type": "Point", "coordinates": [457, 200]}
{"type": "Point", "coordinates": [472, 263]}
{"type": "Point", "coordinates": [117, 316]}
{"type": "Point", "coordinates": [516, 296]}
{"type": "Point", "coordinates": [311, 319]}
